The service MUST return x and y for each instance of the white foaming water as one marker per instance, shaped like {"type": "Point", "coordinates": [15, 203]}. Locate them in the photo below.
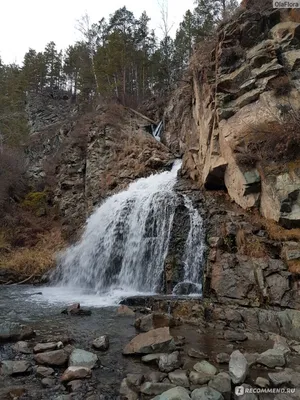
{"type": "Point", "coordinates": [124, 246]}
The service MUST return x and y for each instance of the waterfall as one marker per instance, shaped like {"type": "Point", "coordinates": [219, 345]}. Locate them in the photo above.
{"type": "Point", "coordinates": [125, 242]}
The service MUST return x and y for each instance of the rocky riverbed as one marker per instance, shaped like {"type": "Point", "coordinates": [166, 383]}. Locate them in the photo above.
{"type": "Point", "coordinates": [132, 353]}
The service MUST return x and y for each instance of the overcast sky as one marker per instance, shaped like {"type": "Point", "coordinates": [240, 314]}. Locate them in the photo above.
{"type": "Point", "coordinates": [28, 24]}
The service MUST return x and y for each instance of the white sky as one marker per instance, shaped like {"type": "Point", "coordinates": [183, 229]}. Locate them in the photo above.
{"type": "Point", "coordinates": [28, 24]}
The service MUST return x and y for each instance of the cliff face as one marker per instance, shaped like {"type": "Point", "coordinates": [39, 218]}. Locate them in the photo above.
{"type": "Point", "coordinates": [236, 121]}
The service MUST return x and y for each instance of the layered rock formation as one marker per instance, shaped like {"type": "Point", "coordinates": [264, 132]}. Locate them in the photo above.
{"type": "Point", "coordinates": [237, 122]}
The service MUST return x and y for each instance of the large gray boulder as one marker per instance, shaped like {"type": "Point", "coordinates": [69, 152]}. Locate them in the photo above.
{"type": "Point", "coordinates": [154, 341]}
{"type": "Point", "coordinates": [169, 362]}
{"type": "Point", "coordinates": [206, 368]}
{"type": "Point", "coordinates": [52, 358]}
{"type": "Point", "coordinates": [221, 383]}
{"type": "Point", "coordinates": [238, 367]}
{"type": "Point", "coordinates": [82, 358]}
{"type": "Point", "coordinates": [272, 358]}
{"type": "Point", "coordinates": [179, 378]}
{"type": "Point", "coordinates": [15, 367]}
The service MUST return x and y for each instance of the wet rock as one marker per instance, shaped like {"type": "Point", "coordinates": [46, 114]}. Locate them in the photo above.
{"type": "Point", "coordinates": [126, 311]}
{"type": "Point", "coordinates": [272, 358]}
{"type": "Point", "coordinates": [186, 288]}
{"type": "Point", "coordinates": [235, 336]}
{"type": "Point", "coordinates": [48, 382]}
{"type": "Point", "coordinates": [22, 347]}
{"type": "Point", "coordinates": [44, 372]}
{"type": "Point", "coordinates": [221, 383]}
{"type": "Point", "coordinates": [179, 378]}
{"type": "Point", "coordinates": [41, 347]}
{"type": "Point", "coordinates": [177, 393]}
{"type": "Point", "coordinates": [52, 358]}
{"type": "Point", "coordinates": [152, 389]}
{"type": "Point", "coordinates": [205, 368]}
{"type": "Point", "coordinates": [76, 372]}
{"type": "Point", "coordinates": [262, 382]}
{"type": "Point", "coordinates": [101, 343]}
{"type": "Point", "coordinates": [222, 358]}
{"type": "Point", "coordinates": [169, 362]}
{"type": "Point", "coordinates": [74, 386]}
{"type": "Point", "coordinates": [82, 358]}
{"type": "Point", "coordinates": [206, 393]}
{"type": "Point", "coordinates": [156, 340]}
{"type": "Point", "coordinates": [238, 367]}
{"type": "Point", "coordinates": [196, 354]}
{"type": "Point", "coordinates": [149, 358]}
{"type": "Point", "coordinates": [15, 367]}
{"type": "Point", "coordinates": [13, 331]}
{"type": "Point", "coordinates": [154, 321]}
{"type": "Point", "coordinates": [155, 376]}
{"type": "Point", "coordinates": [199, 378]}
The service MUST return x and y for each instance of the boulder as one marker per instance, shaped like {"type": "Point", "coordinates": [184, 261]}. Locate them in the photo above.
{"type": "Point", "coordinates": [41, 347]}
{"type": "Point", "coordinates": [153, 389]}
{"type": "Point", "coordinates": [206, 393]}
{"type": "Point", "coordinates": [53, 358]}
{"type": "Point", "coordinates": [206, 368]}
{"type": "Point", "coordinates": [221, 383]}
{"type": "Point", "coordinates": [126, 392]}
{"type": "Point", "coordinates": [22, 347]}
{"type": "Point", "coordinates": [238, 367]}
{"type": "Point", "coordinates": [82, 358]}
{"type": "Point", "coordinates": [150, 358]}
{"type": "Point", "coordinates": [199, 378]}
{"type": "Point", "coordinates": [155, 376]}
{"type": "Point", "coordinates": [134, 380]}
{"type": "Point", "coordinates": [272, 358]}
{"type": "Point", "coordinates": [169, 362]}
{"type": "Point", "coordinates": [154, 321]}
{"type": "Point", "coordinates": [101, 343]}
{"type": "Point", "coordinates": [156, 340]}
{"type": "Point", "coordinates": [125, 311]}
{"type": "Point", "coordinates": [72, 373]}
{"type": "Point", "coordinates": [15, 367]}
{"type": "Point", "coordinates": [177, 393]}
{"type": "Point", "coordinates": [179, 378]}
{"type": "Point", "coordinates": [13, 332]}
{"type": "Point", "coordinates": [44, 372]}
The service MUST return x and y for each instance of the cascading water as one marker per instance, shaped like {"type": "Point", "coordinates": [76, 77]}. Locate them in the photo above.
{"type": "Point", "coordinates": [125, 243]}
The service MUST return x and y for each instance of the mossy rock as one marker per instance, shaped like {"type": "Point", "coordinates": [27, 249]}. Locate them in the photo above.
{"type": "Point", "coordinates": [36, 202]}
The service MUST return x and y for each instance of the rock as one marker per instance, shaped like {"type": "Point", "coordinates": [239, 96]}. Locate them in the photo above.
{"type": "Point", "coordinates": [152, 389]}
{"type": "Point", "coordinates": [13, 331]}
{"type": "Point", "coordinates": [280, 378]}
{"type": "Point", "coordinates": [134, 380]}
{"type": "Point", "coordinates": [74, 386]}
{"type": "Point", "coordinates": [48, 382]}
{"type": "Point", "coordinates": [177, 393]}
{"type": "Point", "coordinates": [154, 321]}
{"type": "Point", "coordinates": [235, 336]}
{"type": "Point", "coordinates": [222, 358]}
{"type": "Point", "coordinates": [156, 340]}
{"type": "Point", "coordinates": [186, 288]}
{"type": "Point", "coordinates": [238, 367]}
{"type": "Point", "coordinates": [272, 358]}
{"type": "Point", "coordinates": [41, 347]}
{"type": "Point", "coordinates": [44, 372]}
{"type": "Point", "coordinates": [262, 382]}
{"type": "Point", "coordinates": [82, 358]}
{"type": "Point", "coordinates": [251, 358]}
{"type": "Point", "coordinates": [71, 308]}
{"type": "Point", "coordinates": [199, 378]}
{"type": "Point", "coordinates": [169, 362]}
{"type": "Point", "coordinates": [206, 393]}
{"type": "Point", "coordinates": [101, 343]}
{"type": "Point", "coordinates": [221, 383]}
{"type": "Point", "coordinates": [22, 347]}
{"type": "Point", "coordinates": [15, 367]}
{"type": "Point", "coordinates": [52, 358]}
{"type": "Point", "coordinates": [126, 311]}
{"type": "Point", "coordinates": [280, 343]}
{"type": "Point", "coordinates": [149, 358]}
{"type": "Point", "coordinates": [155, 376]}
{"type": "Point", "coordinates": [126, 392]}
{"type": "Point", "coordinates": [205, 368]}
{"type": "Point", "coordinates": [196, 354]}
{"type": "Point", "coordinates": [179, 378]}
{"type": "Point", "coordinates": [12, 392]}
{"type": "Point", "coordinates": [73, 373]}
{"type": "Point", "coordinates": [215, 241]}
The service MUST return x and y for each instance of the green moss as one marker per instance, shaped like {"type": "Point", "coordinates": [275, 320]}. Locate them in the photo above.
{"type": "Point", "coordinates": [36, 202]}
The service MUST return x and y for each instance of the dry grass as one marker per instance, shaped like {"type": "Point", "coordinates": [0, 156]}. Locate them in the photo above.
{"type": "Point", "coordinates": [277, 232]}
{"type": "Point", "coordinates": [250, 245]}
{"type": "Point", "coordinates": [34, 260]}
{"type": "Point", "coordinates": [294, 267]}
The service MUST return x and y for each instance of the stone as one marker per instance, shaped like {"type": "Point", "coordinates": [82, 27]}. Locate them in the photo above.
{"type": "Point", "coordinates": [52, 358]}
{"type": "Point", "coordinates": [179, 378]}
{"type": "Point", "coordinates": [82, 358]}
{"type": "Point", "coordinates": [15, 367]}
{"type": "Point", "coordinates": [194, 353]}
{"type": "Point", "coordinates": [74, 386]}
{"type": "Point", "coordinates": [186, 288]}
{"type": "Point", "coordinates": [272, 358]}
{"type": "Point", "coordinates": [206, 393]}
{"type": "Point", "coordinates": [156, 340]}
{"type": "Point", "coordinates": [101, 343]}
{"type": "Point", "coordinates": [235, 336]}
{"type": "Point", "coordinates": [206, 368]}
{"type": "Point", "coordinates": [215, 241]}
{"type": "Point", "coordinates": [222, 358]}
{"type": "Point", "coordinates": [22, 347]}
{"type": "Point", "coordinates": [41, 347]}
{"type": "Point", "coordinates": [44, 372]}
{"type": "Point", "coordinates": [125, 311]}
{"type": "Point", "coordinates": [13, 332]}
{"type": "Point", "coordinates": [155, 376]}
{"type": "Point", "coordinates": [153, 321]}
{"type": "Point", "coordinates": [149, 358]}
{"type": "Point", "coordinates": [134, 380]}
{"type": "Point", "coordinates": [251, 358]}
{"type": "Point", "coordinates": [199, 378]}
{"type": "Point", "coordinates": [169, 362]}
{"type": "Point", "coordinates": [280, 378]}
{"type": "Point", "coordinates": [75, 372]}
{"type": "Point", "coordinates": [48, 382]}
{"type": "Point", "coordinates": [262, 382]}
{"type": "Point", "coordinates": [177, 393]}
{"type": "Point", "coordinates": [152, 389]}
{"type": "Point", "coordinates": [126, 392]}
{"type": "Point", "coordinates": [221, 383]}
{"type": "Point", "coordinates": [238, 367]}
